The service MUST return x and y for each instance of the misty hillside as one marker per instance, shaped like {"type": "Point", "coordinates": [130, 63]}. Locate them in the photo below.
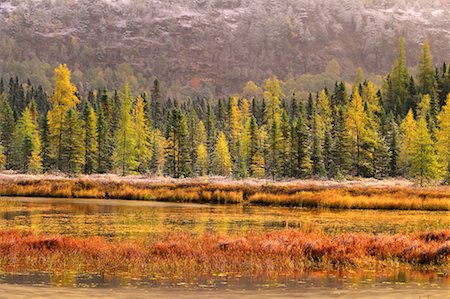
{"type": "Point", "coordinates": [218, 44]}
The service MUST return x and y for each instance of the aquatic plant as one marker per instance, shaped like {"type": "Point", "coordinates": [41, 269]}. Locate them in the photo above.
{"type": "Point", "coordinates": [175, 254]}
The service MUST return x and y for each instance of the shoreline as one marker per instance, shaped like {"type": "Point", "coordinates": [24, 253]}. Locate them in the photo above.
{"type": "Point", "coordinates": [316, 194]}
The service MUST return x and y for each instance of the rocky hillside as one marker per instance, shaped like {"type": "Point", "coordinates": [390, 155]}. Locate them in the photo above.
{"type": "Point", "coordinates": [222, 43]}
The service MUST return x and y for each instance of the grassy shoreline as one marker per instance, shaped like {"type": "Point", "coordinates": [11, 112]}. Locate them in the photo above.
{"type": "Point", "coordinates": [362, 194]}
{"type": "Point", "coordinates": [184, 255]}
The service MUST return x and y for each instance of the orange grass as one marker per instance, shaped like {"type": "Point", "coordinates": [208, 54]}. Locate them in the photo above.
{"type": "Point", "coordinates": [299, 195]}
{"type": "Point", "coordinates": [181, 254]}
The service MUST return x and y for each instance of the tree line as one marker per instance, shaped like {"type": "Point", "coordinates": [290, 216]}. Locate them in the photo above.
{"type": "Point", "coordinates": [401, 128]}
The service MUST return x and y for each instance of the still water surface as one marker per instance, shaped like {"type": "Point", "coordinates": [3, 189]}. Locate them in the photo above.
{"type": "Point", "coordinates": [119, 220]}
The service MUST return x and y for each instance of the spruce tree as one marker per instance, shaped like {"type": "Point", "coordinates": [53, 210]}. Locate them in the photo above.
{"type": "Point", "coordinates": [71, 143]}
{"type": "Point", "coordinates": [303, 163]}
{"type": "Point", "coordinates": [392, 139]}
{"type": "Point", "coordinates": [286, 145]}
{"type": "Point", "coordinates": [382, 158]}
{"type": "Point", "coordinates": [211, 133]}
{"type": "Point", "coordinates": [398, 82]}
{"type": "Point", "coordinates": [45, 142]}
{"type": "Point", "coordinates": [178, 159]}
{"type": "Point", "coordinates": [7, 124]}
{"type": "Point", "coordinates": [341, 150]}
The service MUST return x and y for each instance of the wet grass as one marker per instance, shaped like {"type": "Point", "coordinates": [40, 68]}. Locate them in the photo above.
{"type": "Point", "coordinates": [184, 255]}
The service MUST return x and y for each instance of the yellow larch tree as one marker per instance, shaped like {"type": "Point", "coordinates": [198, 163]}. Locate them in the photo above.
{"type": "Point", "coordinates": [64, 98]}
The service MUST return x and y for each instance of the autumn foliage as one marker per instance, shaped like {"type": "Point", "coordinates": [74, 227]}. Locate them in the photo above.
{"type": "Point", "coordinates": [181, 254]}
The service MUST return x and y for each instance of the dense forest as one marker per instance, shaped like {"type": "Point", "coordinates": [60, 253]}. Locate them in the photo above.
{"type": "Point", "coordinates": [401, 128]}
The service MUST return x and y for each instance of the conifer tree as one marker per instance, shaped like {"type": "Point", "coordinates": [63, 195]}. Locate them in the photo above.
{"type": "Point", "coordinates": [90, 136]}
{"type": "Point", "coordinates": [157, 106]}
{"type": "Point", "coordinates": [45, 143]}
{"type": "Point", "coordinates": [2, 157]}
{"type": "Point", "coordinates": [412, 99]}
{"type": "Point", "coordinates": [7, 124]}
{"type": "Point", "coordinates": [142, 136]}
{"type": "Point", "coordinates": [424, 164]}
{"type": "Point", "coordinates": [324, 115]}
{"type": "Point", "coordinates": [103, 151]}
{"type": "Point", "coordinates": [64, 98]}
{"type": "Point", "coordinates": [27, 142]}
{"type": "Point", "coordinates": [273, 96]}
{"type": "Point", "coordinates": [107, 113]}
{"type": "Point", "coordinates": [286, 145]}
{"type": "Point", "coordinates": [185, 162]}
{"type": "Point", "coordinates": [303, 163]}
{"type": "Point", "coordinates": [341, 148]}
{"type": "Point", "coordinates": [443, 139]}
{"type": "Point", "coordinates": [244, 141]}
{"type": "Point", "coordinates": [425, 70]}
{"type": "Point", "coordinates": [398, 81]}
{"type": "Point", "coordinates": [158, 152]}
{"type": "Point", "coordinates": [357, 122]}
{"type": "Point", "coordinates": [407, 131]}
{"type": "Point", "coordinates": [235, 129]}
{"type": "Point", "coordinates": [359, 77]}
{"type": "Point", "coordinates": [222, 157]}
{"type": "Point", "coordinates": [211, 133]}
{"type": "Point", "coordinates": [392, 139]}
{"type": "Point", "coordinates": [381, 158]}
{"type": "Point", "coordinates": [202, 162]}
{"type": "Point", "coordinates": [125, 150]}
{"type": "Point", "coordinates": [328, 154]}
{"type": "Point", "coordinates": [178, 159]}
{"type": "Point", "coordinates": [318, 167]}
{"type": "Point", "coordinates": [258, 165]}
{"type": "Point", "coordinates": [370, 96]}
{"type": "Point", "coordinates": [71, 143]}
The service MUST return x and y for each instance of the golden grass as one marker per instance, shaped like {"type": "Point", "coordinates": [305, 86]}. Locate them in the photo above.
{"type": "Point", "coordinates": [298, 195]}
{"type": "Point", "coordinates": [181, 254]}
{"type": "Point", "coordinates": [352, 199]}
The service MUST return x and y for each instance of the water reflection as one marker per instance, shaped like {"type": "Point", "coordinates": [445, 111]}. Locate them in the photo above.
{"type": "Point", "coordinates": [300, 281]}
{"type": "Point", "coordinates": [133, 219]}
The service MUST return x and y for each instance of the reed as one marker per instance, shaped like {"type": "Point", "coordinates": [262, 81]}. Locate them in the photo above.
{"type": "Point", "coordinates": [298, 194]}
{"type": "Point", "coordinates": [172, 255]}
{"type": "Point", "coordinates": [348, 199]}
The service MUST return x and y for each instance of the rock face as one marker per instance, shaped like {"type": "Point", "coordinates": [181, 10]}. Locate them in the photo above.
{"type": "Point", "coordinates": [224, 42]}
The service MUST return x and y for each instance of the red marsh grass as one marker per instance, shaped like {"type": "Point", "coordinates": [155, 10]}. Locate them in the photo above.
{"type": "Point", "coordinates": [299, 194]}
{"type": "Point", "coordinates": [185, 255]}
